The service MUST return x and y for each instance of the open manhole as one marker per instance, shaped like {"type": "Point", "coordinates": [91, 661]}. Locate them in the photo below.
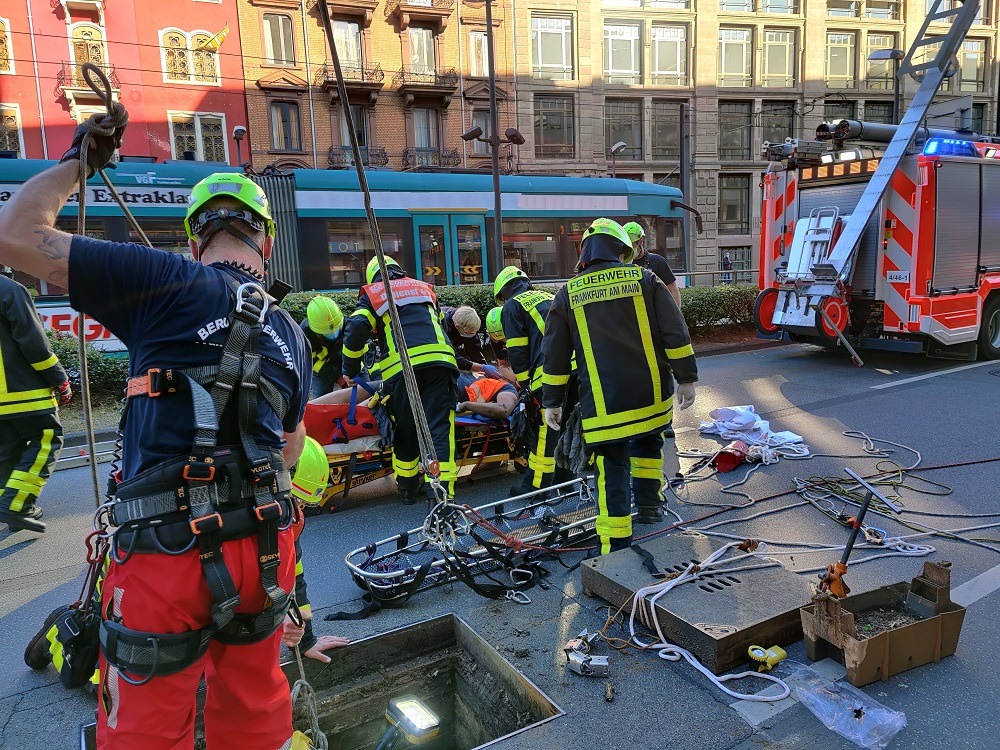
{"type": "Point", "coordinates": [477, 695]}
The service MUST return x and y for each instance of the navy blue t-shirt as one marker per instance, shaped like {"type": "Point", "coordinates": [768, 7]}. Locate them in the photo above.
{"type": "Point", "coordinates": [173, 313]}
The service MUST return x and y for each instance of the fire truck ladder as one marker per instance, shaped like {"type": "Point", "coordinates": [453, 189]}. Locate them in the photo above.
{"type": "Point", "coordinates": [813, 247]}
{"type": "Point", "coordinates": [839, 264]}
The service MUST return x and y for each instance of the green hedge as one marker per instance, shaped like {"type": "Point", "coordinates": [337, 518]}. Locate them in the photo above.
{"type": "Point", "coordinates": [108, 372]}
{"type": "Point", "coordinates": [703, 306]}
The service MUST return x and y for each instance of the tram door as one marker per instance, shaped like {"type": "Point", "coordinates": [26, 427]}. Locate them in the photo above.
{"type": "Point", "coordinates": [450, 248]}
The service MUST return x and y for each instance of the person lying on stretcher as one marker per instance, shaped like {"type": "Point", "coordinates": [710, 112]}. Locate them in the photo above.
{"type": "Point", "coordinates": [488, 397]}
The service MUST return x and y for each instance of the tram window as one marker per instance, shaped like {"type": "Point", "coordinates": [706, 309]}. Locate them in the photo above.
{"type": "Point", "coordinates": [351, 247]}
{"type": "Point", "coordinates": [164, 235]}
{"type": "Point", "coordinates": [664, 237]}
{"type": "Point", "coordinates": [532, 246]}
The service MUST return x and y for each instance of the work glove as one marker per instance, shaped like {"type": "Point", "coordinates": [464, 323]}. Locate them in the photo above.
{"type": "Point", "coordinates": [104, 138]}
{"type": "Point", "coordinates": [65, 393]}
{"type": "Point", "coordinates": [684, 395]}
{"type": "Point", "coordinates": [553, 417]}
{"type": "Point", "coordinates": [491, 372]}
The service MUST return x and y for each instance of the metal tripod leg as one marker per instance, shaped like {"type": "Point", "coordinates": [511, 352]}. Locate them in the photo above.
{"type": "Point", "coordinates": [843, 339]}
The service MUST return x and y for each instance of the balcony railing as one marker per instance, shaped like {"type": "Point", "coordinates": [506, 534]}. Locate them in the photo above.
{"type": "Point", "coordinates": [341, 157]}
{"type": "Point", "coordinates": [353, 73]}
{"type": "Point", "coordinates": [431, 157]}
{"type": "Point", "coordinates": [70, 76]}
{"type": "Point", "coordinates": [432, 79]}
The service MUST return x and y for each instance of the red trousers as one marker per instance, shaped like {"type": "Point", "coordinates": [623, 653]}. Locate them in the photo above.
{"type": "Point", "coordinates": [247, 704]}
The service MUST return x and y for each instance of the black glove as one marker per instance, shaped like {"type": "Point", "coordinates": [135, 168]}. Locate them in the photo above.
{"type": "Point", "coordinates": [105, 132]}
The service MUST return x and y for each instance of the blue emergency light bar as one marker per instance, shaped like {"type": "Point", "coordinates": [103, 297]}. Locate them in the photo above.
{"type": "Point", "coordinates": [950, 147]}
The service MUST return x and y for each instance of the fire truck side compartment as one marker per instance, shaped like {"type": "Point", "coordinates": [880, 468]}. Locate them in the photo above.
{"type": "Point", "coordinates": [989, 251]}
{"type": "Point", "coordinates": [845, 197]}
{"type": "Point", "coordinates": [956, 241]}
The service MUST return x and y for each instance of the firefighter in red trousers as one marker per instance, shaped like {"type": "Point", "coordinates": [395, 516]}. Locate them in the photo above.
{"type": "Point", "coordinates": [628, 336]}
{"type": "Point", "coordinates": [203, 558]}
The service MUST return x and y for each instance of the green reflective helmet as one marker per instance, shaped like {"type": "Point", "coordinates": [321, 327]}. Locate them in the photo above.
{"type": "Point", "coordinates": [494, 324]}
{"type": "Point", "coordinates": [503, 278]}
{"type": "Point", "coordinates": [312, 473]}
{"type": "Point", "coordinates": [230, 185]}
{"type": "Point", "coordinates": [634, 230]}
{"type": "Point", "coordinates": [373, 270]}
{"type": "Point", "coordinates": [325, 316]}
{"type": "Point", "coordinates": [613, 229]}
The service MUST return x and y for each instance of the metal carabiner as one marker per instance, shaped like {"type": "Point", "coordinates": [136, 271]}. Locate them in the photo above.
{"type": "Point", "coordinates": [518, 597]}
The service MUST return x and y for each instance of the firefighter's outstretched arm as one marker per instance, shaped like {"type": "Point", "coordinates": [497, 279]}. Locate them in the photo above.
{"type": "Point", "coordinates": [515, 328]}
{"type": "Point", "coordinates": [676, 342]}
{"type": "Point", "coordinates": [557, 352]}
{"type": "Point", "coordinates": [357, 330]}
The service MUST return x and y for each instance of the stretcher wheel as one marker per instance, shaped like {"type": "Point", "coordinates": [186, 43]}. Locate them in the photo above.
{"type": "Point", "coordinates": [763, 312]}
{"type": "Point", "coordinates": [840, 316]}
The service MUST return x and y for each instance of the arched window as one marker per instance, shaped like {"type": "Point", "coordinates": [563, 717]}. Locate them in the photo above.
{"type": "Point", "coordinates": [206, 62]}
{"type": "Point", "coordinates": [175, 56]}
{"type": "Point", "coordinates": [184, 62]}
{"type": "Point", "coordinates": [6, 58]}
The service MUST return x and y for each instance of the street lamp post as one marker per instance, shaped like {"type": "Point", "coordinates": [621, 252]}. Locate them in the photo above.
{"type": "Point", "coordinates": [615, 150]}
{"type": "Point", "coordinates": [896, 55]}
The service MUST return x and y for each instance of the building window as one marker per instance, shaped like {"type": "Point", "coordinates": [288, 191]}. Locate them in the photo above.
{"type": "Point", "coordinates": [622, 53]}
{"type": "Point", "coordinates": [360, 117]}
{"type": "Point", "coordinates": [843, 8]}
{"type": "Point", "coordinates": [478, 55]}
{"type": "Point", "coordinates": [779, 59]}
{"type": "Point", "coordinates": [735, 128]}
{"type": "Point", "coordinates": [839, 109]}
{"type": "Point", "coordinates": [972, 66]}
{"type": "Point", "coordinates": [188, 58]}
{"type": "Point", "coordinates": [623, 124]}
{"type": "Point", "coordinates": [202, 136]}
{"type": "Point", "coordinates": [279, 48]}
{"type": "Point", "coordinates": [736, 6]}
{"type": "Point", "coordinates": [422, 59]}
{"type": "Point", "coordinates": [554, 127]}
{"type": "Point", "coordinates": [673, 4]}
{"type": "Point", "coordinates": [880, 72]}
{"type": "Point", "coordinates": [840, 60]}
{"type": "Point", "coordinates": [883, 10]}
{"type": "Point", "coordinates": [670, 55]}
{"type": "Point", "coordinates": [735, 262]}
{"type": "Point", "coordinates": [777, 121]}
{"type": "Point", "coordinates": [779, 6]}
{"type": "Point", "coordinates": [481, 119]}
{"type": "Point", "coordinates": [880, 112]}
{"type": "Point", "coordinates": [10, 130]}
{"type": "Point", "coordinates": [552, 48]}
{"type": "Point", "coordinates": [286, 129]}
{"type": "Point", "coordinates": [6, 57]}
{"type": "Point", "coordinates": [734, 204]}
{"type": "Point", "coordinates": [347, 36]}
{"type": "Point", "coordinates": [979, 118]}
{"type": "Point", "coordinates": [665, 123]}
{"type": "Point", "coordinates": [425, 136]}
{"type": "Point", "coordinates": [734, 57]}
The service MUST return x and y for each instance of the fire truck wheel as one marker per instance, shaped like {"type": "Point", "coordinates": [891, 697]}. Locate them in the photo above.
{"type": "Point", "coordinates": [763, 312]}
{"type": "Point", "coordinates": [839, 315]}
{"type": "Point", "coordinates": [989, 330]}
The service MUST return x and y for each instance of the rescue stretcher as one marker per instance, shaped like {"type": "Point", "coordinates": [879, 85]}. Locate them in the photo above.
{"type": "Point", "coordinates": [358, 459]}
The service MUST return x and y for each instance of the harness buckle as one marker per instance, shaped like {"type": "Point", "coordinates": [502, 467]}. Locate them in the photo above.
{"type": "Point", "coordinates": [203, 471]}
{"type": "Point", "coordinates": [268, 512]}
{"type": "Point", "coordinates": [155, 383]}
{"type": "Point", "coordinates": [206, 524]}
{"type": "Point", "coordinates": [242, 301]}
{"type": "Point", "coordinates": [262, 472]}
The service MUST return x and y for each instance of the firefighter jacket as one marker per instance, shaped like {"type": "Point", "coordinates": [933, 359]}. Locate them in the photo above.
{"type": "Point", "coordinates": [628, 335]}
{"type": "Point", "coordinates": [423, 328]}
{"type": "Point", "coordinates": [523, 319]}
{"type": "Point", "coordinates": [29, 371]}
{"type": "Point", "coordinates": [468, 349]}
{"type": "Point", "coordinates": [327, 357]}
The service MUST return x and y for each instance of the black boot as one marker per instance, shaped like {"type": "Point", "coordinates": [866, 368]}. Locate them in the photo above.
{"type": "Point", "coordinates": [617, 544]}
{"type": "Point", "coordinates": [651, 514]}
{"type": "Point", "coordinates": [37, 655]}
{"type": "Point", "coordinates": [28, 519]}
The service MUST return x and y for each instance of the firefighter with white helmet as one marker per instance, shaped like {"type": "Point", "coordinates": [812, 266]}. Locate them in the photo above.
{"type": "Point", "coordinates": [627, 336]}
{"type": "Point", "coordinates": [434, 368]}
{"type": "Point", "coordinates": [322, 327]}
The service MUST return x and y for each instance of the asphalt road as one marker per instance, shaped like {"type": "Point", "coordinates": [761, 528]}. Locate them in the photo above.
{"type": "Point", "coordinates": [949, 417]}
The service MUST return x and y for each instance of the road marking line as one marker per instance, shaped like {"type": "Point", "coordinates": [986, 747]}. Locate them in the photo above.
{"type": "Point", "coordinates": [914, 379]}
{"type": "Point", "coordinates": [975, 589]}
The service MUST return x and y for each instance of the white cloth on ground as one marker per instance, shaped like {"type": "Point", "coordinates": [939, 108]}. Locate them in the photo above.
{"type": "Point", "coordinates": [743, 423]}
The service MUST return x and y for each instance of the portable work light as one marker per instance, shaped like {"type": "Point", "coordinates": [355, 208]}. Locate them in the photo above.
{"type": "Point", "coordinates": [413, 719]}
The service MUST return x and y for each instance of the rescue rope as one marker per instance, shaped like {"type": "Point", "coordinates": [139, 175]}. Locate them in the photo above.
{"type": "Point", "coordinates": [100, 125]}
{"type": "Point", "coordinates": [303, 691]}
{"type": "Point", "coordinates": [425, 441]}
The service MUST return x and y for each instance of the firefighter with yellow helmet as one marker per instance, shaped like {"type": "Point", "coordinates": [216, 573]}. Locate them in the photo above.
{"type": "Point", "coordinates": [322, 327]}
{"type": "Point", "coordinates": [628, 337]}
{"type": "Point", "coordinates": [523, 313]}
{"type": "Point", "coordinates": [433, 361]}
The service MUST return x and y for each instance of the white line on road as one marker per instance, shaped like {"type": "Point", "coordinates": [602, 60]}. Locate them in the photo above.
{"type": "Point", "coordinates": [914, 379]}
{"type": "Point", "coordinates": [975, 589]}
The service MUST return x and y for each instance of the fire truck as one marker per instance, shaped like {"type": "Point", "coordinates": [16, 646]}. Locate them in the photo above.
{"type": "Point", "coordinates": [899, 251]}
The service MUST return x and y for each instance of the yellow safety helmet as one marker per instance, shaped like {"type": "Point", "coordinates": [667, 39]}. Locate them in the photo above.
{"type": "Point", "coordinates": [634, 231]}
{"type": "Point", "coordinates": [503, 278]}
{"type": "Point", "coordinates": [613, 229]}
{"type": "Point", "coordinates": [325, 316]}
{"type": "Point", "coordinates": [373, 270]}
{"type": "Point", "coordinates": [312, 473]}
{"type": "Point", "coordinates": [230, 185]}
{"type": "Point", "coordinates": [494, 324]}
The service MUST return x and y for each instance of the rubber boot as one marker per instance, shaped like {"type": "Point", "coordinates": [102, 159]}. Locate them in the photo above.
{"type": "Point", "coordinates": [28, 519]}
{"type": "Point", "coordinates": [649, 515]}
{"type": "Point", "coordinates": [37, 654]}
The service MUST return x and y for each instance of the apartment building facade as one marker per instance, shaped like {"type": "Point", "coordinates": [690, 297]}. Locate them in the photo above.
{"type": "Point", "coordinates": [595, 74]}
{"type": "Point", "coordinates": [177, 67]}
{"type": "Point", "coordinates": [415, 73]}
